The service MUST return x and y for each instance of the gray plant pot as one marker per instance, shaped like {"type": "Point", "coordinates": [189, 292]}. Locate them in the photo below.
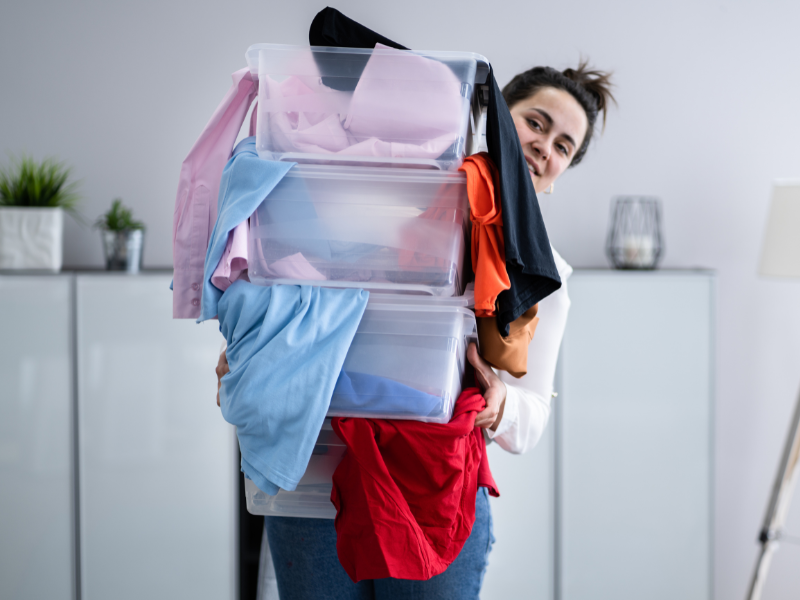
{"type": "Point", "coordinates": [123, 249]}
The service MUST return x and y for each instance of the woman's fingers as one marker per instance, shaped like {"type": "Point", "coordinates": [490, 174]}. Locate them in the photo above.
{"type": "Point", "coordinates": [492, 388]}
{"type": "Point", "coordinates": [222, 368]}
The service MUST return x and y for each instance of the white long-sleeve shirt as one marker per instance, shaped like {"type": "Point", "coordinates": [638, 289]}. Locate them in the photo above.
{"type": "Point", "coordinates": [527, 407]}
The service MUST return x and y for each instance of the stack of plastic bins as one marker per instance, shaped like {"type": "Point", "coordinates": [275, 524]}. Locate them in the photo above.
{"type": "Point", "coordinates": [385, 230]}
{"type": "Point", "coordinates": [418, 347]}
{"type": "Point", "coordinates": [375, 202]}
{"type": "Point", "coordinates": [357, 106]}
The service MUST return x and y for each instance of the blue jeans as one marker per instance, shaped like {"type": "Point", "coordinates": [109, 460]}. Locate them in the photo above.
{"type": "Point", "coordinates": [307, 567]}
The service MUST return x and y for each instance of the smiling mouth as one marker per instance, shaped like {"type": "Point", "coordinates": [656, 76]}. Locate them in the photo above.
{"type": "Point", "coordinates": [531, 168]}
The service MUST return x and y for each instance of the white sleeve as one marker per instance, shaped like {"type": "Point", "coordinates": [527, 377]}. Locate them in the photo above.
{"type": "Point", "coordinates": [527, 406]}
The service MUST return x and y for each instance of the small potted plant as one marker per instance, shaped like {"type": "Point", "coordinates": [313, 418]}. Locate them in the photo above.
{"type": "Point", "coordinates": [123, 238]}
{"type": "Point", "coordinates": [33, 198]}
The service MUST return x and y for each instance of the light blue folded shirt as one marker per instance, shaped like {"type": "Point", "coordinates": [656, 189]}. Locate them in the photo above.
{"type": "Point", "coordinates": [365, 394]}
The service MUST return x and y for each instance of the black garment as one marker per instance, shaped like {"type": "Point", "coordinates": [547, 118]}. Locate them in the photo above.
{"type": "Point", "coordinates": [332, 28]}
{"type": "Point", "coordinates": [529, 260]}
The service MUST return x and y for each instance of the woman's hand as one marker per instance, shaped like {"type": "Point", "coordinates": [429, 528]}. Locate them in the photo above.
{"type": "Point", "coordinates": [222, 368]}
{"type": "Point", "coordinates": [493, 390]}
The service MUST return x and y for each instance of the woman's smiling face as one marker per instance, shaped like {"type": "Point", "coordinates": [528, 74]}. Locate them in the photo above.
{"type": "Point", "coordinates": [551, 126]}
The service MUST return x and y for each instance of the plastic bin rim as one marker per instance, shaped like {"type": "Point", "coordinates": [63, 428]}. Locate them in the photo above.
{"type": "Point", "coordinates": [482, 62]}
{"type": "Point", "coordinates": [374, 173]}
{"type": "Point", "coordinates": [465, 300]}
{"type": "Point", "coordinates": [465, 312]}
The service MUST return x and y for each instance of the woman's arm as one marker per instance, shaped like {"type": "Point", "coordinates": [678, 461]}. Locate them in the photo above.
{"type": "Point", "coordinates": [526, 409]}
{"type": "Point", "coordinates": [222, 366]}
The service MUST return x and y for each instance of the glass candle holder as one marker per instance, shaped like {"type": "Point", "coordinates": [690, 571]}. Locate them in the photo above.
{"type": "Point", "coordinates": [634, 235]}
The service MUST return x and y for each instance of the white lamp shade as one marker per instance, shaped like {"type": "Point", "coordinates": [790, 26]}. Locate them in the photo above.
{"type": "Point", "coordinates": [780, 253]}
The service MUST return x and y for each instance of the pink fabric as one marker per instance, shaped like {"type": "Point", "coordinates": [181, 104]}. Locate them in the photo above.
{"type": "Point", "coordinates": [198, 189]}
{"type": "Point", "coordinates": [404, 106]}
{"type": "Point", "coordinates": [233, 264]}
{"type": "Point", "coordinates": [403, 97]}
{"type": "Point", "coordinates": [294, 267]}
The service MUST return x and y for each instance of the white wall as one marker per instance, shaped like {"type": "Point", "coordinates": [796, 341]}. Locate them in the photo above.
{"type": "Point", "coordinates": [708, 116]}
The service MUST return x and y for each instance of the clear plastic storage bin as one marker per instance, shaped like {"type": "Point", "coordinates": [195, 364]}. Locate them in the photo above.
{"type": "Point", "coordinates": [358, 106]}
{"type": "Point", "coordinates": [312, 497]}
{"type": "Point", "coordinates": [406, 361]}
{"type": "Point", "coordinates": [387, 230]}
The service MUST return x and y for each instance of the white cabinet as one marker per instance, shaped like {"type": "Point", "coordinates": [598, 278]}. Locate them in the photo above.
{"type": "Point", "coordinates": [615, 501]}
{"type": "Point", "coordinates": [634, 437]}
{"type": "Point", "coordinates": [521, 564]}
{"type": "Point", "coordinates": [157, 462]}
{"type": "Point", "coordinates": [36, 442]}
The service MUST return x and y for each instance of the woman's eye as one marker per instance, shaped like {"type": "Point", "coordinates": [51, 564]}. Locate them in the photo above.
{"type": "Point", "coordinates": [534, 124]}
{"type": "Point", "coordinates": [563, 149]}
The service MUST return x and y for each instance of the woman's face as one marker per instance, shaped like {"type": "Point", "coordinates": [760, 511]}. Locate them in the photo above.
{"type": "Point", "coordinates": [551, 126]}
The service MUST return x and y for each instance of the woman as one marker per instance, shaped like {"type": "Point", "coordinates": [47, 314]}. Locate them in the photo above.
{"type": "Point", "coordinates": [554, 114]}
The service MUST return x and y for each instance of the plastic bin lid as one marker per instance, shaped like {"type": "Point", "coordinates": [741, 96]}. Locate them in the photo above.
{"type": "Point", "coordinates": [481, 71]}
{"type": "Point", "coordinates": [466, 300]}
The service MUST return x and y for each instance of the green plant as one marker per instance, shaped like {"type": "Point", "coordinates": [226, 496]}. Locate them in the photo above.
{"type": "Point", "coordinates": [45, 184]}
{"type": "Point", "coordinates": [118, 218]}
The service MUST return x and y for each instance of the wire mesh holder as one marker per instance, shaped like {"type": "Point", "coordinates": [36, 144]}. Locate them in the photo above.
{"type": "Point", "coordinates": [634, 239]}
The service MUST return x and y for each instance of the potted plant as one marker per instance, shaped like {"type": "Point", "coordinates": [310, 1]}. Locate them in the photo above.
{"type": "Point", "coordinates": [33, 198]}
{"type": "Point", "coordinates": [123, 238]}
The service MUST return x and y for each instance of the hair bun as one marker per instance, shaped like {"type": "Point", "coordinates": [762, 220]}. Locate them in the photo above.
{"type": "Point", "coordinates": [596, 83]}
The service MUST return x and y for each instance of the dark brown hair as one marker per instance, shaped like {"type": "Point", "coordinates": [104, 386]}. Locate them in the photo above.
{"type": "Point", "coordinates": [591, 88]}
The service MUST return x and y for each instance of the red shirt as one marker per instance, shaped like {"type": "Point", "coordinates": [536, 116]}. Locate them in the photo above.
{"type": "Point", "coordinates": [405, 492]}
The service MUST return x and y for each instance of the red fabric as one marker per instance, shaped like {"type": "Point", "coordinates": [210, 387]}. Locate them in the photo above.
{"type": "Point", "coordinates": [405, 492]}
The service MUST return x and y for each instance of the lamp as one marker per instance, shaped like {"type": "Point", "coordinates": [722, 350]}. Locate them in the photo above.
{"type": "Point", "coordinates": [780, 257]}
{"type": "Point", "coordinates": [780, 254]}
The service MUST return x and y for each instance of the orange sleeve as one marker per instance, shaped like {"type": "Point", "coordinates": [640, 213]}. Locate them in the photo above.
{"type": "Point", "coordinates": [487, 247]}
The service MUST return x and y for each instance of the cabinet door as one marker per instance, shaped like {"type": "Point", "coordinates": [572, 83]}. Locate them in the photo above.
{"type": "Point", "coordinates": [521, 562]}
{"type": "Point", "coordinates": [36, 447]}
{"type": "Point", "coordinates": [157, 461]}
{"type": "Point", "coordinates": [634, 440]}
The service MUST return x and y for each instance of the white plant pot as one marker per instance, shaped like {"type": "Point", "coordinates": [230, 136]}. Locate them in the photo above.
{"type": "Point", "coordinates": [31, 238]}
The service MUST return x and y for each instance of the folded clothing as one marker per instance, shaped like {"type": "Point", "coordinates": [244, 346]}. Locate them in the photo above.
{"type": "Point", "coordinates": [286, 348]}
{"type": "Point", "coordinates": [365, 394]}
{"type": "Point", "coordinates": [405, 492]}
